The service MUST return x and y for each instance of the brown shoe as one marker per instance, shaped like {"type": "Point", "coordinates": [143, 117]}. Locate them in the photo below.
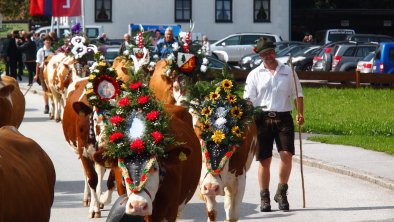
{"type": "Point", "coordinates": [281, 197]}
{"type": "Point", "coordinates": [265, 201]}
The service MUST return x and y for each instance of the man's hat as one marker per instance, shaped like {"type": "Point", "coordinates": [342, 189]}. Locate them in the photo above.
{"type": "Point", "coordinates": [263, 45]}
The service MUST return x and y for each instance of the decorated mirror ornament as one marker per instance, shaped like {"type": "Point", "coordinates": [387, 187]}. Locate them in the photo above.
{"type": "Point", "coordinates": [102, 85]}
{"type": "Point", "coordinates": [136, 134]}
{"type": "Point", "coordinates": [222, 116]}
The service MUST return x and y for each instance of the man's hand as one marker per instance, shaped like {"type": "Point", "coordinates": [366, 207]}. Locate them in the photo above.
{"type": "Point", "coordinates": [300, 119]}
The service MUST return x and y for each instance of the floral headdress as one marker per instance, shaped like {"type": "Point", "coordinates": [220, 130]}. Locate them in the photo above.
{"type": "Point", "coordinates": [222, 115]}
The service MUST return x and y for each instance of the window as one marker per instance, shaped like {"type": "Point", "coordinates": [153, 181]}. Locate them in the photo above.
{"type": "Point", "coordinates": [261, 10]}
{"type": "Point", "coordinates": [103, 10]}
{"type": "Point", "coordinates": [224, 11]}
{"type": "Point", "coordinates": [234, 40]}
{"type": "Point", "coordinates": [183, 10]}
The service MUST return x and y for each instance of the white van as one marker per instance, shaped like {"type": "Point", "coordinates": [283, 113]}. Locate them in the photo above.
{"type": "Point", "coordinates": [91, 31]}
{"type": "Point", "coordinates": [332, 35]}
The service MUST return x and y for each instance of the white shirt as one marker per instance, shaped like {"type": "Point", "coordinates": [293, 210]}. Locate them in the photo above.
{"type": "Point", "coordinates": [272, 92]}
{"type": "Point", "coordinates": [41, 54]}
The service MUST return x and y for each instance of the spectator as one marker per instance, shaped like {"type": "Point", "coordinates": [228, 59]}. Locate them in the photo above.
{"type": "Point", "coordinates": [310, 39]}
{"type": "Point", "coordinates": [103, 38]}
{"type": "Point", "coordinates": [206, 48]}
{"type": "Point", "coordinates": [28, 50]}
{"type": "Point", "coordinates": [164, 46]}
{"type": "Point", "coordinates": [42, 55]}
{"type": "Point", "coordinates": [156, 38]}
{"type": "Point", "coordinates": [39, 40]}
{"type": "Point", "coordinates": [126, 45]}
{"type": "Point", "coordinates": [15, 57]}
{"type": "Point", "coordinates": [6, 44]}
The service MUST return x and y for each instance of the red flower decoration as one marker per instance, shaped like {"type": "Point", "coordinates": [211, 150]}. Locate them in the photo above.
{"type": "Point", "coordinates": [115, 120]}
{"type": "Point", "coordinates": [152, 115]}
{"type": "Point", "coordinates": [207, 155]}
{"type": "Point", "coordinates": [137, 146]}
{"type": "Point", "coordinates": [143, 178]}
{"type": "Point", "coordinates": [216, 171]}
{"type": "Point", "coordinates": [128, 180]}
{"type": "Point", "coordinates": [115, 136]}
{"type": "Point", "coordinates": [142, 99]}
{"type": "Point", "coordinates": [228, 154]}
{"type": "Point", "coordinates": [124, 102]}
{"type": "Point", "coordinates": [158, 136]}
{"type": "Point", "coordinates": [255, 49]}
{"type": "Point", "coordinates": [135, 85]}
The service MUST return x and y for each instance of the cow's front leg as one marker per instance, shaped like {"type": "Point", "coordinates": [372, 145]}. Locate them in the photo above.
{"type": "Point", "coordinates": [94, 210]}
{"type": "Point", "coordinates": [100, 170]}
{"type": "Point", "coordinates": [233, 198]}
{"type": "Point", "coordinates": [211, 204]}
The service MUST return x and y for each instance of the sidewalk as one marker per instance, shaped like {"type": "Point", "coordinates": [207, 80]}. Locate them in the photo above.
{"type": "Point", "coordinates": [371, 166]}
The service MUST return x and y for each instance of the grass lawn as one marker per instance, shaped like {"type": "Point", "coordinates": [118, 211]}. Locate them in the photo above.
{"type": "Point", "coordinates": [359, 117]}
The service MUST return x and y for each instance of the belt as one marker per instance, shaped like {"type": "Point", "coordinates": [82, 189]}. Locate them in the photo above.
{"type": "Point", "coordinates": [274, 114]}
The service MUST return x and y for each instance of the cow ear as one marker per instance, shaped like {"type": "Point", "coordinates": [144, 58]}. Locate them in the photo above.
{"type": "Point", "coordinates": [82, 109]}
{"type": "Point", "coordinates": [177, 155]}
{"type": "Point", "coordinates": [6, 90]}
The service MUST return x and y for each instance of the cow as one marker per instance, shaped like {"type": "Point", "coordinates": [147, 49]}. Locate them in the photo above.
{"type": "Point", "coordinates": [175, 179]}
{"type": "Point", "coordinates": [27, 178]}
{"type": "Point", "coordinates": [60, 72]}
{"type": "Point", "coordinates": [12, 102]}
{"type": "Point", "coordinates": [76, 128]}
{"type": "Point", "coordinates": [231, 180]}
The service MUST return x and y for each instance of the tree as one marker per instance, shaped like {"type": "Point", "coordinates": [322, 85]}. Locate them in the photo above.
{"type": "Point", "coordinates": [15, 9]}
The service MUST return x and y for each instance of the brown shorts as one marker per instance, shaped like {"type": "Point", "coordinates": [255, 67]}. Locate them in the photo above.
{"type": "Point", "coordinates": [274, 126]}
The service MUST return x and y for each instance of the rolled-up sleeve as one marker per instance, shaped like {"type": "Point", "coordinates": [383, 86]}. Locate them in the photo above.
{"type": "Point", "coordinates": [250, 91]}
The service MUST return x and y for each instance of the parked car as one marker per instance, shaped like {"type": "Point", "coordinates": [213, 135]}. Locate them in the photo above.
{"type": "Point", "coordinates": [111, 52]}
{"type": "Point", "coordinates": [332, 35]}
{"type": "Point", "coordinates": [346, 56]}
{"type": "Point", "coordinates": [370, 38]}
{"type": "Point", "coordinates": [91, 31]}
{"type": "Point", "coordinates": [365, 64]}
{"type": "Point", "coordinates": [240, 44]}
{"type": "Point", "coordinates": [302, 59]}
{"type": "Point", "coordinates": [384, 58]}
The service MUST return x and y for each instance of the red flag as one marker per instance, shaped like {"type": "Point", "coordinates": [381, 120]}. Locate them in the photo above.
{"type": "Point", "coordinates": [41, 7]}
{"type": "Point", "coordinates": [66, 8]}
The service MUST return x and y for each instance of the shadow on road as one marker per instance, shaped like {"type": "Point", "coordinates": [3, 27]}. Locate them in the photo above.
{"type": "Point", "coordinates": [36, 119]}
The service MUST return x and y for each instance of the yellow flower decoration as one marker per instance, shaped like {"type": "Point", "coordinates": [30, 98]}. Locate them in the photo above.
{"type": "Point", "coordinates": [227, 84]}
{"type": "Point", "coordinates": [218, 136]}
{"type": "Point", "coordinates": [206, 126]}
{"type": "Point", "coordinates": [235, 130]}
{"type": "Point", "coordinates": [91, 76]}
{"type": "Point", "coordinates": [123, 86]}
{"type": "Point", "coordinates": [89, 91]}
{"type": "Point", "coordinates": [237, 112]}
{"type": "Point", "coordinates": [214, 95]}
{"type": "Point", "coordinates": [102, 63]}
{"type": "Point", "coordinates": [207, 111]}
{"type": "Point", "coordinates": [231, 98]}
{"type": "Point", "coordinates": [218, 89]}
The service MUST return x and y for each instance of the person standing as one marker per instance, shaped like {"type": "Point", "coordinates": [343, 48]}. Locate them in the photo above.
{"type": "Point", "coordinates": [164, 46]}
{"type": "Point", "coordinates": [28, 50]}
{"type": "Point", "coordinates": [270, 87]}
{"type": "Point", "coordinates": [205, 48]}
{"type": "Point", "coordinates": [6, 44]}
{"type": "Point", "coordinates": [14, 56]}
{"type": "Point", "coordinates": [126, 45]}
{"type": "Point", "coordinates": [42, 54]}
{"type": "Point", "coordinates": [156, 38]}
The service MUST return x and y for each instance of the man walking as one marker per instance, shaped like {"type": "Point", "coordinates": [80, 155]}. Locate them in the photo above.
{"type": "Point", "coordinates": [271, 87]}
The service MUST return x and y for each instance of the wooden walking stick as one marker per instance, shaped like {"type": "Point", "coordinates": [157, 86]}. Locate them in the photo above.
{"type": "Point", "coordinates": [299, 129]}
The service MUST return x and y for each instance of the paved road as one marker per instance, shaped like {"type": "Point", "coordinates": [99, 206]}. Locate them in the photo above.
{"type": "Point", "coordinates": [329, 196]}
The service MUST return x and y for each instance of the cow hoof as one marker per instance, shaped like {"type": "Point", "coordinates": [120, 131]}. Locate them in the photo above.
{"type": "Point", "coordinates": [91, 215]}
{"type": "Point", "coordinates": [57, 120]}
{"type": "Point", "coordinates": [51, 117]}
{"type": "Point", "coordinates": [101, 205]}
{"type": "Point", "coordinates": [86, 203]}
{"type": "Point", "coordinates": [97, 214]}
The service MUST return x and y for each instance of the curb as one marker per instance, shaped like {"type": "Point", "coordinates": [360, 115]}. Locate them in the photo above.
{"type": "Point", "coordinates": [308, 161]}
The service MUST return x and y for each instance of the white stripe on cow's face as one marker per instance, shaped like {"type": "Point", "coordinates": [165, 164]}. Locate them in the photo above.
{"type": "Point", "coordinates": [141, 203]}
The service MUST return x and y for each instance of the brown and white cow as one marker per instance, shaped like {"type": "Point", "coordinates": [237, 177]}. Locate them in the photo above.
{"type": "Point", "coordinates": [176, 177]}
{"type": "Point", "coordinates": [232, 179]}
{"type": "Point", "coordinates": [12, 102]}
{"type": "Point", "coordinates": [60, 72]}
{"type": "Point", "coordinates": [76, 128]}
{"type": "Point", "coordinates": [27, 178]}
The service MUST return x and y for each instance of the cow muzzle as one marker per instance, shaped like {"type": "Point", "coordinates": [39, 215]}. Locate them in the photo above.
{"type": "Point", "coordinates": [137, 208]}
{"type": "Point", "coordinates": [210, 189]}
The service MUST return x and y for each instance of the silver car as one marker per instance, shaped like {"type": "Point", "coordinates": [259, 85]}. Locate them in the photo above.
{"type": "Point", "coordinates": [238, 45]}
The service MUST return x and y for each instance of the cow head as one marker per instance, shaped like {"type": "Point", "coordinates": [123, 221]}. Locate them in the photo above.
{"type": "Point", "coordinates": [146, 174]}
{"type": "Point", "coordinates": [65, 73]}
{"type": "Point", "coordinates": [215, 168]}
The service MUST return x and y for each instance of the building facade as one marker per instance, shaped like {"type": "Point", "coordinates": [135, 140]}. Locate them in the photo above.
{"type": "Point", "coordinates": [214, 18]}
